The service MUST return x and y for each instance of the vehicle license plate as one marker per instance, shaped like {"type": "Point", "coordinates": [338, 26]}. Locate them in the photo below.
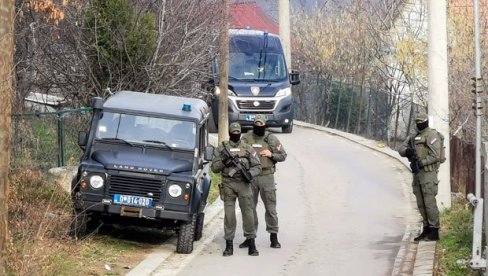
{"type": "Point", "coordinates": [133, 200]}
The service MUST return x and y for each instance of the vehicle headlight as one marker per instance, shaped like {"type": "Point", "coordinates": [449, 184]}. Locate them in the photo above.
{"type": "Point", "coordinates": [174, 190]}
{"type": "Point", "coordinates": [284, 92]}
{"type": "Point", "coordinates": [230, 92]}
{"type": "Point", "coordinates": [96, 181]}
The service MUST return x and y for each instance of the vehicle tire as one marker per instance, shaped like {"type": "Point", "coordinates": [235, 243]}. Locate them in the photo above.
{"type": "Point", "coordinates": [288, 128]}
{"type": "Point", "coordinates": [199, 226]}
{"type": "Point", "coordinates": [186, 233]}
{"type": "Point", "coordinates": [79, 224]}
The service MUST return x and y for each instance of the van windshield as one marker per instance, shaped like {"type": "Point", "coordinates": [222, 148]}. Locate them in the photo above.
{"type": "Point", "coordinates": [146, 130]}
{"type": "Point", "coordinates": [258, 58]}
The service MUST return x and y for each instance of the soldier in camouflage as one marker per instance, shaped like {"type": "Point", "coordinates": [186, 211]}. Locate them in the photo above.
{"type": "Point", "coordinates": [235, 187]}
{"type": "Point", "coordinates": [425, 152]}
{"type": "Point", "coordinates": [270, 152]}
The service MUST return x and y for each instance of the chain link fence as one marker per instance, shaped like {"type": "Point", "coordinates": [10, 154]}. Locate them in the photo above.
{"type": "Point", "coordinates": [363, 110]}
{"type": "Point", "coordinates": [375, 114]}
{"type": "Point", "coordinates": [43, 140]}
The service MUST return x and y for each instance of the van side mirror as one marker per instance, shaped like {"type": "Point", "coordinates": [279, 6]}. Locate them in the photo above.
{"type": "Point", "coordinates": [82, 136]}
{"type": "Point", "coordinates": [294, 77]}
{"type": "Point", "coordinates": [208, 154]}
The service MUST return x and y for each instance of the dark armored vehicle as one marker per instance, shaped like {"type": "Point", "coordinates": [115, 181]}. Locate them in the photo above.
{"type": "Point", "coordinates": [144, 164]}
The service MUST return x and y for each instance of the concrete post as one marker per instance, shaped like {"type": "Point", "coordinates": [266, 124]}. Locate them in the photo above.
{"type": "Point", "coordinates": [438, 89]}
{"type": "Point", "coordinates": [284, 23]}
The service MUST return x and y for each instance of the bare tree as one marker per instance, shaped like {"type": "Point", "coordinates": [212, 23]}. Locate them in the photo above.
{"type": "Point", "coordinates": [6, 60]}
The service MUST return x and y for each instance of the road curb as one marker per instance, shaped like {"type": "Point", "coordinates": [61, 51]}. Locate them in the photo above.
{"type": "Point", "coordinates": [412, 258]}
{"type": "Point", "coordinates": [154, 260]}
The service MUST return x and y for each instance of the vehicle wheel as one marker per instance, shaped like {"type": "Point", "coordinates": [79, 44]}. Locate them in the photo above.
{"type": "Point", "coordinates": [79, 224]}
{"type": "Point", "coordinates": [288, 128]}
{"type": "Point", "coordinates": [199, 226]}
{"type": "Point", "coordinates": [186, 233]}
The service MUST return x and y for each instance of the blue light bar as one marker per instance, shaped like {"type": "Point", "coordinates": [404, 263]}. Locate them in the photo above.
{"type": "Point", "coordinates": [186, 107]}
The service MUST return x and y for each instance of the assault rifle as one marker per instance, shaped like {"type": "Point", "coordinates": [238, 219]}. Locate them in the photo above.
{"type": "Point", "coordinates": [237, 164]}
{"type": "Point", "coordinates": [414, 164]}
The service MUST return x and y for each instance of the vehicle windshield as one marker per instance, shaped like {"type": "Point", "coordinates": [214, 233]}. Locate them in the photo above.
{"type": "Point", "coordinates": [258, 58]}
{"type": "Point", "coordinates": [146, 130]}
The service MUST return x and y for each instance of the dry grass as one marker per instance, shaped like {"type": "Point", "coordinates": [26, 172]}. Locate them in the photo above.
{"type": "Point", "coordinates": [39, 216]}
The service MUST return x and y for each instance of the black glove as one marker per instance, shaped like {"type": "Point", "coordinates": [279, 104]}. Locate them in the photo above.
{"type": "Point", "coordinates": [226, 160]}
{"type": "Point", "coordinates": [408, 152]}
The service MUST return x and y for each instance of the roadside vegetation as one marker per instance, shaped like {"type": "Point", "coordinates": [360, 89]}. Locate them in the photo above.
{"type": "Point", "coordinates": [456, 240]}
{"type": "Point", "coordinates": [40, 215]}
{"type": "Point", "coordinates": [39, 244]}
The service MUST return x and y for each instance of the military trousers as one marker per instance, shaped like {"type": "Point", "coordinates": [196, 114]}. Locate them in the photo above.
{"type": "Point", "coordinates": [242, 191]}
{"type": "Point", "coordinates": [265, 187]}
{"type": "Point", "coordinates": [425, 187]}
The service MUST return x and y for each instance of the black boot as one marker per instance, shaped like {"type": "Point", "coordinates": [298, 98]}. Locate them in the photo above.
{"type": "Point", "coordinates": [252, 251]}
{"type": "Point", "coordinates": [273, 237]}
{"type": "Point", "coordinates": [424, 234]}
{"type": "Point", "coordinates": [433, 235]}
{"type": "Point", "coordinates": [229, 248]}
{"type": "Point", "coordinates": [244, 244]}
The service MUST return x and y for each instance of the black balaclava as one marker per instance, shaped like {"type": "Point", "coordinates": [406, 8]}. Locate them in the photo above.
{"type": "Point", "coordinates": [423, 125]}
{"type": "Point", "coordinates": [259, 130]}
{"type": "Point", "coordinates": [234, 137]}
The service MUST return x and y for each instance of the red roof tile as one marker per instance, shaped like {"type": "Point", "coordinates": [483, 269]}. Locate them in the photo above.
{"type": "Point", "coordinates": [243, 15]}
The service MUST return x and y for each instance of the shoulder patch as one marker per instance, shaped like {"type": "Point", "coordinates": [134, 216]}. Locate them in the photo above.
{"type": "Point", "coordinates": [433, 140]}
{"type": "Point", "coordinates": [253, 153]}
{"type": "Point", "coordinates": [278, 146]}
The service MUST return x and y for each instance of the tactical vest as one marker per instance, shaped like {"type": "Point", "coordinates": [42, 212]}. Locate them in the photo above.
{"type": "Point", "coordinates": [422, 148]}
{"type": "Point", "coordinates": [241, 152]}
{"type": "Point", "coordinates": [259, 145]}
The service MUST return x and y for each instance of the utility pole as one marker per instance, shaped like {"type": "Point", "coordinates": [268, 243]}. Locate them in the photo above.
{"type": "Point", "coordinates": [477, 262]}
{"type": "Point", "coordinates": [224, 74]}
{"type": "Point", "coordinates": [284, 23]}
{"type": "Point", "coordinates": [6, 65]}
{"type": "Point", "coordinates": [438, 90]}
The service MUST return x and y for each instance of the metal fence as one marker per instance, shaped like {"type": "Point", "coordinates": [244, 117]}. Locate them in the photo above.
{"type": "Point", "coordinates": [374, 114]}
{"type": "Point", "coordinates": [365, 111]}
{"type": "Point", "coordinates": [43, 140]}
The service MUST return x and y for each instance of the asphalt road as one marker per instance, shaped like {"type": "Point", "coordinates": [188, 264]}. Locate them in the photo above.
{"type": "Point", "coordinates": [342, 211]}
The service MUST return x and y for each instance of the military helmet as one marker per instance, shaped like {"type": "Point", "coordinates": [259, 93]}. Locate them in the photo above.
{"type": "Point", "coordinates": [260, 119]}
{"type": "Point", "coordinates": [235, 128]}
{"type": "Point", "coordinates": [421, 117]}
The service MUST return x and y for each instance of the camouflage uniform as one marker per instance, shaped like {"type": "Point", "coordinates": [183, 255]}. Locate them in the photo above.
{"type": "Point", "coordinates": [429, 149]}
{"type": "Point", "coordinates": [264, 184]}
{"type": "Point", "coordinates": [234, 187]}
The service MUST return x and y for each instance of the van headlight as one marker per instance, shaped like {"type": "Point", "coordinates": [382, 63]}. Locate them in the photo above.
{"type": "Point", "coordinates": [230, 92]}
{"type": "Point", "coordinates": [96, 181]}
{"type": "Point", "coordinates": [284, 92]}
{"type": "Point", "coordinates": [175, 190]}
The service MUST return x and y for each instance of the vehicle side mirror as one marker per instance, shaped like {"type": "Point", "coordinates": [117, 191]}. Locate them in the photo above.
{"type": "Point", "coordinates": [97, 103]}
{"type": "Point", "coordinates": [208, 155]}
{"type": "Point", "coordinates": [82, 136]}
{"type": "Point", "coordinates": [294, 77]}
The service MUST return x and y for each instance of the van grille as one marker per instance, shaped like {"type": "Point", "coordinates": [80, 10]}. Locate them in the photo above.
{"type": "Point", "coordinates": [137, 186]}
{"type": "Point", "coordinates": [249, 105]}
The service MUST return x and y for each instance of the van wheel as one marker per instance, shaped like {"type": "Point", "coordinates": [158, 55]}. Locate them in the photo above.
{"type": "Point", "coordinates": [288, 128]}
{"type": "Point", "coordinates": [199, 226]}
{"type": "Point", "coordinates": [186, 233]}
